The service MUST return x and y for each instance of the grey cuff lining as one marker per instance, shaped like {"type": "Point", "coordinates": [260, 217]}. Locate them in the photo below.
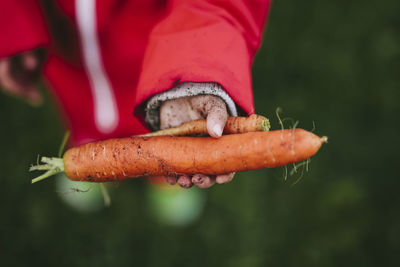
{"type": "Point", "coordinates": [185, 90]}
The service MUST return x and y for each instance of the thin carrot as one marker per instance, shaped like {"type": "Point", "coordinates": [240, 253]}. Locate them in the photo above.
{"type": "Point", "coordinates": [118, 159]}
{"type": "Point", "coordinates": [234, 125]}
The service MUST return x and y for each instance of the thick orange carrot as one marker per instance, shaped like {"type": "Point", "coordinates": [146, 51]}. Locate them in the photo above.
{"type": "Point", "coordinates": [234, 125]}
{"type": "Point", "coordinates": [117, 159]}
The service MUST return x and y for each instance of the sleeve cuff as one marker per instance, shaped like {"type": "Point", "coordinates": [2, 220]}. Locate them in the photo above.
{"type": "Point", "coordinates": [184, 90]}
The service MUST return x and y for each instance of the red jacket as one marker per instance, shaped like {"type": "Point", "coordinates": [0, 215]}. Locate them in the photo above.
{"type": "Point", "coordinates": [129, 50]}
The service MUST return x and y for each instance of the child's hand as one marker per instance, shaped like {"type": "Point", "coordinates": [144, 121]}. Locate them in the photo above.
{"type": "Point", "coordinates": [18, 75]}
{"type": "Point", "coordinates": [175, 112]}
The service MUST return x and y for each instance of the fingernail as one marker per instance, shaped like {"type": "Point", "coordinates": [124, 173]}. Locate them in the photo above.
{"type": "Point", "coordinates": [170, 180]}
{"type": "Point", "coordinates": [203, 181]}
{"type": "Point", "coordinates": [217, 129]}
{"type": "Point", "coordinates": [198, 179]}
{"type": "Point", "coordinates": [185, 181]}
{"type": "Point", "coordinates": [224, 178]}
{"type": "Point", "coordinates": [30, 62]}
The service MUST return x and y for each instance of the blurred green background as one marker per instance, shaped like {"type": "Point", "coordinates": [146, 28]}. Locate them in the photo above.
{"type": "Point", "coordinates": [334, 63]}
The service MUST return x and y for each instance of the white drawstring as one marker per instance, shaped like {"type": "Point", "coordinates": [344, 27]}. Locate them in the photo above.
{"type": "Point", "coordinates": [105, 107]}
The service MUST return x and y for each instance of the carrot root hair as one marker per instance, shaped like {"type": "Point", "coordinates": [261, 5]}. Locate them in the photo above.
{"type": "Point", "coordinates": [106, 195]}
{"type": "Point", "coordinates": [304, 165]}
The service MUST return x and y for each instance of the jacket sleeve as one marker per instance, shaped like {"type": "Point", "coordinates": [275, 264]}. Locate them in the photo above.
{"type": "Point", "coordinates": [22, 27]}
{"type": "Point", "coordinates": [204, 41]}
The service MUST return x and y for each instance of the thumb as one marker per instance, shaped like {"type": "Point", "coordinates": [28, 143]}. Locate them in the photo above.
{"type": "Point", "coordinates": [216, 119]}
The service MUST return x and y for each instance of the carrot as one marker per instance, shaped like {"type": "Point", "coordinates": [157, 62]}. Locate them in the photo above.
{"type": "Point", "coordinates": [118, 159]}
{"type": "Point", "coordinates": [233, 125]}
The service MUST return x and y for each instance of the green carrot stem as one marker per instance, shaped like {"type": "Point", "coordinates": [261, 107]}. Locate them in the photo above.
{"type": "Point", "coordinates": [52, 165]}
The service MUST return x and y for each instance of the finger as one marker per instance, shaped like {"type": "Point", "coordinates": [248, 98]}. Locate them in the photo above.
{"type": "Point", "coordinates": [30, 61]}
{"type": "Point", "coordinates": [11, 85]}
{"type": "Point", "coordinates": [224, 178]}
{"type": "Point", "coordinates": [33, 96]}
{"type": "Point", "coordinates": [7, 81]}
{"type": "Point", "coordinates": [171, 180]}
{"type": "Point", "coordinates": [185, 181]}
{"type": "Point", "coordinates": [214, 108]}
{"type": "Point", "coordinates": [203, 181]}
{"type": "Point", "coordinates": [216, 120]}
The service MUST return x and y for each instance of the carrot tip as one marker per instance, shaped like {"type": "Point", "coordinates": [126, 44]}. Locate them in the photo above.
{"type": "Point", "coordinates": [324, 139]}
